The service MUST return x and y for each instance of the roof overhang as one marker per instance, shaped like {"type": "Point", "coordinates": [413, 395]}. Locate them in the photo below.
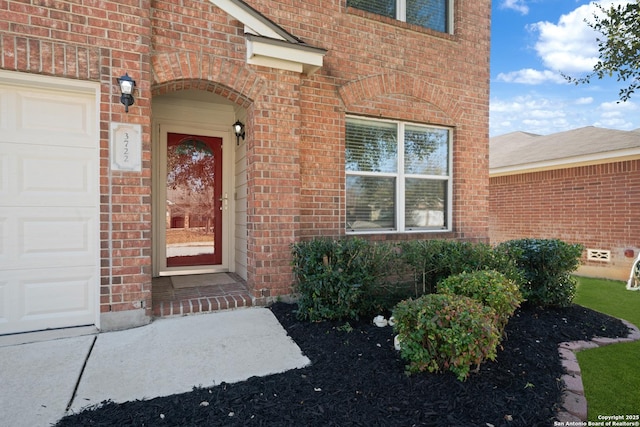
{"type": "Point", "coordinates": [270, 45]}
{"type": "Point", "coordinates": [570, 162]}
{"type": "Point", "coordinates": [283, 55]}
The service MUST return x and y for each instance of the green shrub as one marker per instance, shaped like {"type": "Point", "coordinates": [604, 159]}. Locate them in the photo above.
{"type": "Point", "coordinates": [489, 287]}
{"type": "Point", "coordinates": [439, 332]}
{"type": "Point", "coordinates": [435, 260]}
{"type": "Point", "coordinates": [335, 278]}
{"type": "Point", "coordinates": [546, 265]}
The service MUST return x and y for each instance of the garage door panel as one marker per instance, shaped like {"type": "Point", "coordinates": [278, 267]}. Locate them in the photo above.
{"type": "Point", "coordinates": [7, 110]}
{"type": "Point", "coordinates": [6, 301]}
{"type": "Point", "coordinates": [4, 172]}
{"type": "Point", "coordinates": [67, 294]}
{"type": "Point", "coordinates": [71, 179]}
{"type": "Point", "coordinates": [40, 112]}
{"type": "Point", "coordinates": [55, 298]}
{"type": "Point", "coordinates": [4, 235]}
{"type": "Point", "coordinates": [50, 237]}
{"type": "Point", "coordinates": [48, 176]}
{"type": "Point", "coordinates": [33, 116]}
{"type": "Point", "coordinates": [49, 202]}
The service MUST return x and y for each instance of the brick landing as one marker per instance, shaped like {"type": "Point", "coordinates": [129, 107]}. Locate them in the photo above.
{"type": "Point", "coordinates": [168, 301]}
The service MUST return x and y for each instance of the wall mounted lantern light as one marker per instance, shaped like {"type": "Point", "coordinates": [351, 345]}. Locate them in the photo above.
{"type": "Point", "coordinates": [238, 129]}
{"type": "Point", "coordinates": [126, 88]}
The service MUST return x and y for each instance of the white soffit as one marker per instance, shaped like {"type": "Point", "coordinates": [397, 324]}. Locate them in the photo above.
{"type": "Point", "coordinates": [576, 161]}
{"type": "Point", "coordinates": [269, 44]}
{"type": "Point", "coordinates": [266, 51]}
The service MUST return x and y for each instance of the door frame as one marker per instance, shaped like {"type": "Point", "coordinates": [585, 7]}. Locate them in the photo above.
{"type": "Point", "coordinates": [159, 192]}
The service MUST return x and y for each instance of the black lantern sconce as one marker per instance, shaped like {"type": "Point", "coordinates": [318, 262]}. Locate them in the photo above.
{"type": "Point", "coordinates": [126, 88]}
{"type": "Point", "coordinates": [238, 129]}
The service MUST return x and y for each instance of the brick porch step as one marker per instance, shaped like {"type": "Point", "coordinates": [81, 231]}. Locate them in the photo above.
{"type": "Point", "coordinates": [204, 297]}
{"type": "Point", "coordinates": [201, 305]}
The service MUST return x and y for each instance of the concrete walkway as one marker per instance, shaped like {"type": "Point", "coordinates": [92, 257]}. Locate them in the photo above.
{"type": "Point", "coordinates": [43, 381]}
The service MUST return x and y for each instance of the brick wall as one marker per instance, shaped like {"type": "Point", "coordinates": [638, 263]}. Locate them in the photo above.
{"type": "Point", "coordinates": [375, 66]}
{"type": "Point", "coordinates": [595, 205]}
{"type": "Point", "coordinates": [296, 147]}
{"type": "Point", "coordinates": [380, 67]}
{"type": "Point", "coordinates": [98, 41]}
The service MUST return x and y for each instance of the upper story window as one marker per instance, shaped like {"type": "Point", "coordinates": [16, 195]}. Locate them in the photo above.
{"type": "Point", "coordinates": [433, 14]}
{"type": "Point", "coordinates": [398, 176]}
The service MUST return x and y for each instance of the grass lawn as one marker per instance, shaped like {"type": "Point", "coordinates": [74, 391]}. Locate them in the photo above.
{"type": "Point", "coordinates": [611, 374]}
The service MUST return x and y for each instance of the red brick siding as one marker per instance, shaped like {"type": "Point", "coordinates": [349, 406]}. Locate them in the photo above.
{"type": "Point", "coordinates": [296, 143]}
{"type": "Point", "coordinates": [595, 205]}
{"type": "Point", "coordinates": [98, 41]}
{"type": "Point", "coordinates": [273, 182]}
{"type": "Point", "coordinates": [401, 78]}
{"type": "Point", "coordinates": [295, 123]}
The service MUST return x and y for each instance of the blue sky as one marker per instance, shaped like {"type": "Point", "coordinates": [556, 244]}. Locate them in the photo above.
{"type": "Point", "coordinates": [532, 43]}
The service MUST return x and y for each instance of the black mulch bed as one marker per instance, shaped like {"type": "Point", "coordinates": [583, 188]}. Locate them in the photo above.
{"type": "Point", "coordinates": [357, 379]}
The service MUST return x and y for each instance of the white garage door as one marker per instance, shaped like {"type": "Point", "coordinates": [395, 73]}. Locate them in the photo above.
{"type": "Point", "coordinates": [49, 203]}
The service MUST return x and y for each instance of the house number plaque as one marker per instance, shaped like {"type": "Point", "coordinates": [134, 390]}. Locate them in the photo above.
{"type": "Point", "coordinates": [126, 147]}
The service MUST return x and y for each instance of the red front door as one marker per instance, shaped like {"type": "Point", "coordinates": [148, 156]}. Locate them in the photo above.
{"type": "Point", "coordinates": [194, 200]}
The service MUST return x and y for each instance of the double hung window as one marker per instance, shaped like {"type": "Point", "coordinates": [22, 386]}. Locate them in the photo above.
{"type": "Point", "coordinates": [434, 14]}
{"type": "Point", "coordinates": [398, 176]}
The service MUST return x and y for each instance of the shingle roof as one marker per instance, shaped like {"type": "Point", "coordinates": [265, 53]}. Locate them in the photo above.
{"type": "Point", "coordinates": [525, 151]}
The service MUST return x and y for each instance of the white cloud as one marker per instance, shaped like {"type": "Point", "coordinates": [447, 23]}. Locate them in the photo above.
{"type": "Point", "coordinates": [615, 122]}
{"type": "Point", "coordinates": [618, 115]}
{"type": "Point", "coordinates": [544, 126]}
{"type": "Point", "coordinates": [584, 100]}
{"type": "Point", "coordinates": [570, 45]}
{"type": "Point", "coordinates": [521, 103]}
{"type": "Point", "coordinates": [566, 46]}
{"type": "Point", "coordinates": [546, 114]}
{"type": "Point", "coordinates": [550, 113]}
{"type": "Point", "coordinates": [517, 5]}
{"type": "Point", "coordinates": [624, 107]}
{"type": "Point", "coordinates": [531, 77]}
{"type": "Point", "coordinates": [529, 113]}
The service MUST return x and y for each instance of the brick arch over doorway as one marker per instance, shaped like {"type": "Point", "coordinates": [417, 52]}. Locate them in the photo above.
{"type": "Point", "coordinates": [189, 70]}
{"type": "Point", "coordinates": [173, 72]}
{"type": "Point", "coordinates": [443, 109]}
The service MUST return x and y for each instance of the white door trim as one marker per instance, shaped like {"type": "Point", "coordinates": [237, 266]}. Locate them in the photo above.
{"type": "Point", "coordinates": [160, 193]}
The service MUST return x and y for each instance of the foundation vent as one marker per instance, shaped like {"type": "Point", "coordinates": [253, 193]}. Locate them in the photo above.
{"type": "Point", "coordinates": [598, 255]}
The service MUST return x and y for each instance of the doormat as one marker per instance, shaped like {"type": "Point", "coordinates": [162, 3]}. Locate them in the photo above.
{"type": "Point", "coordinates": [196, 280]}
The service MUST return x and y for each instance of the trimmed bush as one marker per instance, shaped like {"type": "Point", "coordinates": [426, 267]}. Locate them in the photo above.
{"type": "Point", "coordinates": [546, 265]}
{"type": "Point", "coordinates": [435, 260]}
{"type": "Point", "coordinates": [335, 278]}
{"type": "Point", "coordinates": [489, 287]}
{"type": "Point", "coordinates": [439, 332]}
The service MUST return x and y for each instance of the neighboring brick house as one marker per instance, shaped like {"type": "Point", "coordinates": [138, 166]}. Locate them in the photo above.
{"type": "Point", "coordinates": [580, 186]}
{"type": "Point", "coordinates": [360, 118]}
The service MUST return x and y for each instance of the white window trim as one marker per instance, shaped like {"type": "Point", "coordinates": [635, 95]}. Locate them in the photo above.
{"type": "Point", "coordinates": [400, 182]}
{"type": "Point", "coordinates": [401, 14]}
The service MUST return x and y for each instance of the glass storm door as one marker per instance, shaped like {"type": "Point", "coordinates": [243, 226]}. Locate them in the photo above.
{"type": "Point", "coordinates": [194, 200]}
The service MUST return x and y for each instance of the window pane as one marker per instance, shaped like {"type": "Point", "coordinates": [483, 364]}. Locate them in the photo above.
{"type": "Point", "coordinates": [381, 7]}
{"type": "Point", "coordinates": [370, 202]}
{"type": "Point", "coordinates": [426, 151]}
{"type": "Point", "coordinates": [428, 13]}
{"type": "Point", "coordinates": [371, 146]}
{"type": "Point", "coordinates": [425, 203]}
